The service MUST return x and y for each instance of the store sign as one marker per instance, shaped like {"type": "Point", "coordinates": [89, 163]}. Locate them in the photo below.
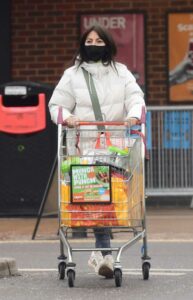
{"type": "Point", "coordinates": [180, 57]}
{"type": "Point", "coordinates": [127, 30]}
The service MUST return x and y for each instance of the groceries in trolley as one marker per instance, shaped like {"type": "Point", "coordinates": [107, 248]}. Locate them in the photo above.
{"type": "Point", "coordinates": [97, 194]}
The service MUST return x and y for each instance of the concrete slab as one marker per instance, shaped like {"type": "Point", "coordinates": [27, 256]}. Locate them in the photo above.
{"type": "Point", "coordinates": [8, 267]}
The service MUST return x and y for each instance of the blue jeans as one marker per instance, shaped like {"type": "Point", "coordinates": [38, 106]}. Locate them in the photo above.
{"type": "Point", "coordinates": [102, 236]}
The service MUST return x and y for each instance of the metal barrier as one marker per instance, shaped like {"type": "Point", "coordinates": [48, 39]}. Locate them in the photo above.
{"type": "Point", "coordinates": [169, 170]}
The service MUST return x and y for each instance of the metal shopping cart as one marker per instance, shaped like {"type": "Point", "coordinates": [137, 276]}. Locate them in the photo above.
{"type": "Point", "coordinates": [101, 184]}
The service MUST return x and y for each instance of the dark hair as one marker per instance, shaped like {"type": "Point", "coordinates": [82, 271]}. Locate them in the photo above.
{"type": "Point", "coordinates": [108, 40]}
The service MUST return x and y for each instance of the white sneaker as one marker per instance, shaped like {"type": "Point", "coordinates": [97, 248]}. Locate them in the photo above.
{"type": "Point", "coordinates": [106, 266]}
{"type": "Point", "coordinates": [95, 260]}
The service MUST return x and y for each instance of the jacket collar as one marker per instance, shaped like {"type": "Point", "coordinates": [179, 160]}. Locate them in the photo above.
{"type": "Point", "coordinates": [96, 68]}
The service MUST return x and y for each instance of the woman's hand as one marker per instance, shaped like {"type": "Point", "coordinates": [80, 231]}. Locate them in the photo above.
{"type": "Point", "coordinates": [131, 122]}
{"type": "Point", "coordinates": [72, 121]}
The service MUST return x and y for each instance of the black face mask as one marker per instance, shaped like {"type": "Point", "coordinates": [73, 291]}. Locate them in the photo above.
{"type": "Point", "coordinates": [95, 53]}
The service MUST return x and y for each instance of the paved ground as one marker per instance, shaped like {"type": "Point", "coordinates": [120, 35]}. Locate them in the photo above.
{"type": "Point", "coordinates": [162, 223]}
{"type": "Point", "coordinates": [171, 273]}
{"type": "Point", "coordinates": [170, 235]}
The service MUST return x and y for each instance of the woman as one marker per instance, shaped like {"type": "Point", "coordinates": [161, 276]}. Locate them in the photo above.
{"type": "Point", "coordinates": [120, 98]}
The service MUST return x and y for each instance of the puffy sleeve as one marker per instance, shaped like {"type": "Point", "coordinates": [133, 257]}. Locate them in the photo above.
{"type": "Point", "coordinates": [134, 97]}
{"type": "Point", "coordinates": [62, 97]}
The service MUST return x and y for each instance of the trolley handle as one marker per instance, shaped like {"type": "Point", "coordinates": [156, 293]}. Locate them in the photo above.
{"type": "Point", "coordinates": [98, 123]}
{"type": "Point", "coordinates": [102, 123]}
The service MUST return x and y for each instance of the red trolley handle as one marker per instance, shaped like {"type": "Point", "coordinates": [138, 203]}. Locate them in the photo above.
{"type": "Point", "coordinates": [97, 123]}
{"type": "Point", "coordinates": [102, 123]}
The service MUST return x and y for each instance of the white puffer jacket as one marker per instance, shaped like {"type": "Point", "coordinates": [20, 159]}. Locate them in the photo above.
{"type": "Point", "coordinates": [119, 95]}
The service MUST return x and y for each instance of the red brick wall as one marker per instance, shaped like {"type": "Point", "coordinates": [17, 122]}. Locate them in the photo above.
{"type": "Point", "coordinates": [45, 35]}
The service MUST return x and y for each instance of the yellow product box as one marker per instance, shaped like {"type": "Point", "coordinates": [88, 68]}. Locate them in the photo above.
{"type": "Point", "coordinates": [116, 213]}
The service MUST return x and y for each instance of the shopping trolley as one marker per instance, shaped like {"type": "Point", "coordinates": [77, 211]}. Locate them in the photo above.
{"type": "Point", "coordinates": [101, 184]}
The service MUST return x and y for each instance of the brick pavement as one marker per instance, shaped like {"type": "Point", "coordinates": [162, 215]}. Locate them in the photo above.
{"type": "Point", "coordinates": [162, 223]}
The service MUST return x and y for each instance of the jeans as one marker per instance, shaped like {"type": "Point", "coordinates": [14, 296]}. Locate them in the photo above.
{"type": "Point", "coordinates": [102, 236]}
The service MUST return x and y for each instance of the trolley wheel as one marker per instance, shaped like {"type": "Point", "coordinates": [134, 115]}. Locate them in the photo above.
{"type": "Point", "coordinates": [145, 270]}
{"type": "Point", "coordinates": [118, 277]}
{"type": "Point", "coordinates": [71, 278]}
{"type": "Point", "coordinates": [61, 270]}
